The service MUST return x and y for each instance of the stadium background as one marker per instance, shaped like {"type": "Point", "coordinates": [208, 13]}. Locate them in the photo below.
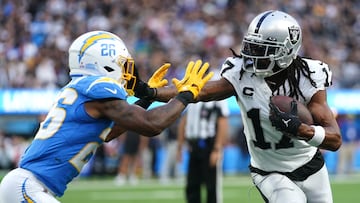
{"type": "Point", "coordinates": [35, 35]}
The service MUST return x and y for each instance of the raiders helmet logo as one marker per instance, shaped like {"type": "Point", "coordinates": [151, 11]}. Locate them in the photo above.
{"type": "Point", "coordinates": [294, 33]}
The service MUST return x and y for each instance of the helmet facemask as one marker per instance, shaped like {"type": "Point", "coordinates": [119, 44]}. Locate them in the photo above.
{"type": "Point", "coordinates": [128, 79]}
{"type": "Point", "coordinates": [260, 57]}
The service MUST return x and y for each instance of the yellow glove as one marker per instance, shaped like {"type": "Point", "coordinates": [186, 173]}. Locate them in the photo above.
{"type": "Point", "coordinates": [194, 79]}
{"type": "Point", "coordinates": [179, 83]}
{"type": "Point", "coordinates": [157, 79]}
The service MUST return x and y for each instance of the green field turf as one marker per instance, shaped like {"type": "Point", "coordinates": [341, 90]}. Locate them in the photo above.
{"type": "Point", "coordinates": [236, 189]}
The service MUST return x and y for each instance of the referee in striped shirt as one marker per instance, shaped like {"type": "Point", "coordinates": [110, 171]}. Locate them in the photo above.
{"type": "Point", "coordinates": [204, 127]}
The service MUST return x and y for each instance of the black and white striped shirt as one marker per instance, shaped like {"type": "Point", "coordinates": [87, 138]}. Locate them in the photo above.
{"type": "Point", "coordinates": [202, 118]}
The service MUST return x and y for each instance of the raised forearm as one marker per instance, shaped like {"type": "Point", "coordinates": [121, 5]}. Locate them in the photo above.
{"type": "Point", "coordinates": [216, 90]}
{"type": "Point", "coordinates": [164, 94]}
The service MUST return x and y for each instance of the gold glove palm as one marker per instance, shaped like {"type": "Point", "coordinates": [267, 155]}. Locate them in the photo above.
{"type": "Point", "coordinates": [157, 79]}
{"type": "Point", "coordinates": [194, 79]}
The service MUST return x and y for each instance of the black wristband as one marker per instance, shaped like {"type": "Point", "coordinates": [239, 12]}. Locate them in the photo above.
{"type": "Point", "coordinates": [185, 97]}
{"type": "Point", "coordinates": [150, 94]}
{"type": "Point", "coordinates": [143, 103]}
{"type": "Point", "coordinates": [143, 91]}
{"type": "Point", "coordinates": [154, 94]}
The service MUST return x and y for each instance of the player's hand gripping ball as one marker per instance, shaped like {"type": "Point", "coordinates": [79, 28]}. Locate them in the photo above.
{"type": "Point", "coordinates": [287, 114]}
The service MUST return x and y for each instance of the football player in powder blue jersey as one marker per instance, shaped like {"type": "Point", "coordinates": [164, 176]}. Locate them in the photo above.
{"type": "Point", "coordinates": [92, 109]}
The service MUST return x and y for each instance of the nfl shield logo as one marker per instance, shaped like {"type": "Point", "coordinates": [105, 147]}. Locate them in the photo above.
{"type": "Point", "coordinates": [294, 33]}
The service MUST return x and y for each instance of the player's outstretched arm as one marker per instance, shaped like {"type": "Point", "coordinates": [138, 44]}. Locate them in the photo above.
{"type": "Point", "coordinates": [152, 122]}
{"type": "Point", "coordinates": [213, 90]}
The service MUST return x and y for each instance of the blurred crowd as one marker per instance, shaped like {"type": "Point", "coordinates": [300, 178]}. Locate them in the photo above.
{"type": "Point", "coordinates": [35, 34]}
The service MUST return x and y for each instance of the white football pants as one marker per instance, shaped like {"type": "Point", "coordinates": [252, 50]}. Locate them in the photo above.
{"type": "Point", "coordinates": [20, 185]}
{"type": "Point", "coordinates": [278, 188]}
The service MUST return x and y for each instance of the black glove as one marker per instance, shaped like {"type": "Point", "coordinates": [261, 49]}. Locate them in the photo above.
{"type": "Point", "coordinates": [142, 89]}
{"type": "Point", "coordinates": [186, 97]}
{"type": "Point", "coordinates": [285, 122]}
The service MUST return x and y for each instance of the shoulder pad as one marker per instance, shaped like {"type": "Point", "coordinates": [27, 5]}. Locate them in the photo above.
{"type": "Point", "coordinates": [230, 63]}
{"type": "Point", "coordinates": [322, 74]}
{"type": "Point", "coordinates": [97, 87]}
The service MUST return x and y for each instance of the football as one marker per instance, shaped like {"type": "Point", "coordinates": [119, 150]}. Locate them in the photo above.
{"type": "Point", "coordinates": [284, 104]}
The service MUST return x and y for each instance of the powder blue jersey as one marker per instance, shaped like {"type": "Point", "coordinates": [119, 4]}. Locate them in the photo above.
{"type": "Point", "coordinates": [68, 137]}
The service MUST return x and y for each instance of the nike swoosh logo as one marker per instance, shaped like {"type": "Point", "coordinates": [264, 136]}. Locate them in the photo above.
{"type": "Point", "coordinates": [286, 122]}
{"type": "Point", "coordinates": [114, 91]}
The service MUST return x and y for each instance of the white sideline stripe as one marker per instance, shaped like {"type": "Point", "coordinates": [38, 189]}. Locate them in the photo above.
{"type": "Point", "coordinates": [106, 185]}
{"type": "Point", "coordinates": [141, 195]}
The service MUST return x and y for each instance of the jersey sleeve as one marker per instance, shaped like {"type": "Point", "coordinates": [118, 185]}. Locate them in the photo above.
{"type": "Point", "coordinates": [104, 88]}
{"type": "Point", "coordinates": [230, 69]}
{"type": "Point", "coordinates": [322, 74]}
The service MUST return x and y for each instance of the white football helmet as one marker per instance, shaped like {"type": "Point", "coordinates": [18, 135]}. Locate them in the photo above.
{"type": "Point", "coordinates": [272, 37]}
{"type": "Point", "coordinates": [101, 53]}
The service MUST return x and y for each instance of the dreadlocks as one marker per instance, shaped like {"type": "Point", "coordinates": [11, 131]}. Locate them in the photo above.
{"type": "Point", "coordinates": [296, 68]}
{"type": "Point", "coordinates": [292, 73]}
